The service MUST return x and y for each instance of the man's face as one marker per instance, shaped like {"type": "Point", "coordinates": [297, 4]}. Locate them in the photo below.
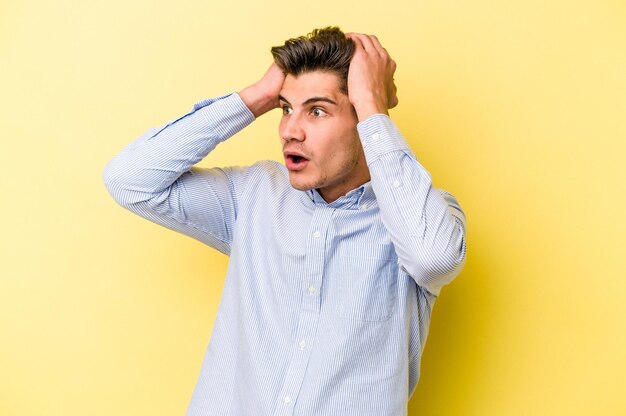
{"type": "Point", "coordinates": [318, 132]}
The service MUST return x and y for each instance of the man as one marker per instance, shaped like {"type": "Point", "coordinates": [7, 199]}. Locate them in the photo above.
{"type": "Point", "coordinates": [336, 258]}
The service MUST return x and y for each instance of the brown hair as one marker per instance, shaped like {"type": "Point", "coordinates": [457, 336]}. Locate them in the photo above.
{"type": "Point", "coordinates": [326, 49]}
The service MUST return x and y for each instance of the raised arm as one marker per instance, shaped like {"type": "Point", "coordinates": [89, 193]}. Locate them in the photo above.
{"type": "Point", "coordinates": [155, 175]}
{"type": "Point", "coordinates": [426, 225]}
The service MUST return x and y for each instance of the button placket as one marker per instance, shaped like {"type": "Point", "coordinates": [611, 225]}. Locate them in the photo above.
{"type": "Point", "coordinates": [309, 311]}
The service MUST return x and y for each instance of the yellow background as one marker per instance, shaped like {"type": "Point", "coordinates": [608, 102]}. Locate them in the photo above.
{"type": "Point", "coordinates": [517, 108]}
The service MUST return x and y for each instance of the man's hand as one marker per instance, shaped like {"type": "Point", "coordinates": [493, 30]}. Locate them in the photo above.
{"type": "Point", "coordinates": [262, 96]}
{"type": "Point", "coordinates": [371, 89]}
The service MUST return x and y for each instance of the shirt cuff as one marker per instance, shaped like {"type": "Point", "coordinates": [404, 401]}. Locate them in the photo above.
{"type": "Point", "coordinates": [227, 114]}
{"type": "Point", "coordinates": [379, 135]}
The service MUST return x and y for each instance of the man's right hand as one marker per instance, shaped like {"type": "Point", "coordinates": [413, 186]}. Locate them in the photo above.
{"type": "Point", "coordinates": [262, 96]}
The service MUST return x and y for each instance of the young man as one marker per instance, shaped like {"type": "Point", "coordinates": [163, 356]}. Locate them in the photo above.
{"type": "Point", "coordinates": [336, 258]}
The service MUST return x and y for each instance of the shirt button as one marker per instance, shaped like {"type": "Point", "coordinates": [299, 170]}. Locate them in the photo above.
{"type": "Point", "coordinates": [302, 344]}
{"type": "Point", "coordinates": [375, 137]}
{"type": "Point", "coordinates": [287, 399]}
{"type": "Point", "coordinates": [311, 289]}
{"type": "Point", "coordinates": [396, 184]}
{"type": "Point", "coordinates": [317, 234]}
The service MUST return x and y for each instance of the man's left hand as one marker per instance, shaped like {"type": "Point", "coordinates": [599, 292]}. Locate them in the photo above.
{"type": "Point", "coordinates": [371, 88]}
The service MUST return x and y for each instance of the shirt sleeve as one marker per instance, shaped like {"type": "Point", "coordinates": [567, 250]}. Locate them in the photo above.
{"type": "Point", "coordinates": [154, 176]}
{"type": "Point", "coordinates": [426, 224]}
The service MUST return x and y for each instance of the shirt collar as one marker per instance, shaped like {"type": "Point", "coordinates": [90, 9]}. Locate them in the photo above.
{"type": "Point", "coordinates": [360, 198]}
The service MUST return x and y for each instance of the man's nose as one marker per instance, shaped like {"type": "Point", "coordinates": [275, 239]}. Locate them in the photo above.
{"type": "Point", "coordinates": [291, 129]}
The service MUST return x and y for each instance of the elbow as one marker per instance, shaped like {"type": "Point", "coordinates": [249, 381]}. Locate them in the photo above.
{"type": "Point", "coordinates": [113, 183]}
{"type": "Point", "coordinates": [438, 265]}
{"type": "Point", "coordinates": [451, 257]}
{"type": "Point", "coordinates": [438, 254]}
{"type": "Point", "coordinates": [441, 269]}
{"type": "Point", "coordinates": [117, 184]}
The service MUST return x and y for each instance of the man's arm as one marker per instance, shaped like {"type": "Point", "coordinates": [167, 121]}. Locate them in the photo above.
{"type": "Point", "coordinates": [426, 225]}
{"type": "Point", "coordinates": [155, 178]}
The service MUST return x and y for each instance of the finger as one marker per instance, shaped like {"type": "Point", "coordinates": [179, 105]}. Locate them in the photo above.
{"type": "Point", "coordinates": [392, 66]}
{"type": "Point", "coordinates": [373, 45]}
{"type": "Point", "coordinates": [368, 44]}
{"type": "Point", "coordinates": [393, 96]}
{"type": "Point", "coordinates": [393, 102]}
{"type": "Point", "coordinates": [358, 45]}
{"type": "Point", "coordinates": [365, 42]}
{"type": "Point", "coordinates": [376, 44]}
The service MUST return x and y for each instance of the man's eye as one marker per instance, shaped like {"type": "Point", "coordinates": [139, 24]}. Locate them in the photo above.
{"type": "Point", "coordinates": [318, 112]}
{"type": "Point", "coordinates": [287, 110]}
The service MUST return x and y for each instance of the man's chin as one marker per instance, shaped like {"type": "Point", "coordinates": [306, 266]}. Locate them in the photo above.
{"type": "Point", "coordinates": [300, 185]}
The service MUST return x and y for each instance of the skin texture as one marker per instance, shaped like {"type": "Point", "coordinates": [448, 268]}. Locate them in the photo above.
{"type": "Point", "coordinates": [323, 132]}
{"type": "Point", "coordinates": [319, 123]}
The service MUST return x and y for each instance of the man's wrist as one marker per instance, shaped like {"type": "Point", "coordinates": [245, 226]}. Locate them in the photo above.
{"type": "Point", "coordinates": [366, 108]}
{"type": "Point", "coordinates": [363, 113]}
{"type": "Point", "coordinates": [256, 101]}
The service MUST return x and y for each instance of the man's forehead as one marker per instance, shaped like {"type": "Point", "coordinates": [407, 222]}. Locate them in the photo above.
{"type": "Point", "coordinates": [298, 89]}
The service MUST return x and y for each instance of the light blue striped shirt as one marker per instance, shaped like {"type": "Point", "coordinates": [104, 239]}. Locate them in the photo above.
{"type": "Point", "coordinates": [326, 307]}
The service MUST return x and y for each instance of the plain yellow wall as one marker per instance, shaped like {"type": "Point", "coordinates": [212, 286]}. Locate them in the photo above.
{"type": "Point", "coordinates": [516, 107]}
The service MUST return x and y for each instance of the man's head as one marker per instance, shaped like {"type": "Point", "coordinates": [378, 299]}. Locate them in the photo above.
{"type": "Point", "coordinates": [320, 141]}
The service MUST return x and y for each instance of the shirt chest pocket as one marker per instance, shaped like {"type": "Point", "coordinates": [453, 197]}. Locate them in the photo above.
{"type": "Point", "coordinates": [367, 285]}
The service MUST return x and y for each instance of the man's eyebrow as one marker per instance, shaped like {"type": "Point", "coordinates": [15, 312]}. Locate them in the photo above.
{"type": "Point", "coordinates": [316, 99]}
{"type": "Point", "coordinates": [310, 100]}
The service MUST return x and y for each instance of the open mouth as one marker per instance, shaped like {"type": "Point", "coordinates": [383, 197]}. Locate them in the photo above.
{"type": "Point", "coordinates": [295, 162]}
